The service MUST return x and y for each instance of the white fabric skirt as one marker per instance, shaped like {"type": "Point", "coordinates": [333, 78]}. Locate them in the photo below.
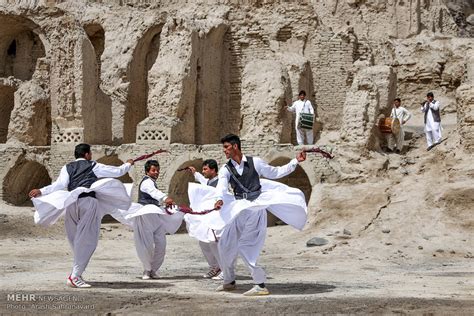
{"type": "Point", "coordinates": [111, 195]}
{"type": "Point", "coordinates": [285, 202]}
{"type": "Point", "coordinates": [171, 222]}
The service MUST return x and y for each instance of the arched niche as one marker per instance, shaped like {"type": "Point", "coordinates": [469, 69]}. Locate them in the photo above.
{"type": "Point", "coordinates": [113, 160]}
{"type": "Point", "coordinates": [20, 47]}
{"type": "Point", "coordinates": [96, 105]}
{"type": "Point", "coordinates": [24, 176]}
{"type": "Point", "coordinates": [297, 179]}
{"type": "Point", "coordinates": [143, 58]}
{"type": "Point", "coordinates": [178, 187]}
{"type": "Point", "coordinates": [7, 101]}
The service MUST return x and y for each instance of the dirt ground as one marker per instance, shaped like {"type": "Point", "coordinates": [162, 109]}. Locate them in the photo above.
{"type": "Point", "coordinates": [301, 279]}
{"type": "Point", "coordinates": [400, 241]}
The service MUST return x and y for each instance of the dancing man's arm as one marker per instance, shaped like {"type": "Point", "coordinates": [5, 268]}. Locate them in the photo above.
{"type": "Point", "coordinates": [106, 171]}
{"type": "Point", "coordinates": [61, 183]}
{"type": "Point", "coordinates": [270, 172]}
{"type": "Point", "coordinates": [148, 186]}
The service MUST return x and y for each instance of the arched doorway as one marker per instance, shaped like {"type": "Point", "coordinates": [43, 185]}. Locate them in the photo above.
{"type": "Point", "coordinates": [21, 179]}
{"type": "Point", "coordinates": [178, 188]}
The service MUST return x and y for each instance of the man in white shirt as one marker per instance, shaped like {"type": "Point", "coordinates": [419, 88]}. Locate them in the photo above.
{"type": "Point", "coordinates": [302, 106]}
{"type": "Point", "coordinates": [149, 230]}
{"type": "Point", "coordinates": [83, 219]}
{"type": "Point", "coordinates": [209, 249]}
{"type": "Point", "coordinates": [432, 119]}
{"type": "Point", "coordinates": [244, 234]}
{"type": "Point", "coordinates": [402, 114]}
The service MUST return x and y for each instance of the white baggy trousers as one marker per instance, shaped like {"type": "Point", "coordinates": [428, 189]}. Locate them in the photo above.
{"type": "Point", "coordinates": [150, 240]}
{"type": "Point", "coordinates": [244, 236]}
{"type": "Point", "coordinates": [82, 228]}
{"type": "Point", "coordinates": [211, 253]}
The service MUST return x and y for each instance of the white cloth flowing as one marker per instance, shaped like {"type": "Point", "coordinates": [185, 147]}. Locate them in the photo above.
{"type": "Point", "coordinates": [111, 196]}
{"type": "Point", "coordinates": [169, 222]}
{"type": "Point", "coordinates": [285, 202]}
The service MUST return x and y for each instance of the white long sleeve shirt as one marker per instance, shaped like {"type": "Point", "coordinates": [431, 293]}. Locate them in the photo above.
{"type": "Point", "coordinates": [263, 169]}
{"type": "Point", "coordinates": [299, 106]}
{"type": "Point", "coordinates": [148, 186]}
{"type": "Point", "coordinates": [430, 122]}
{"type": "Point", "coordinates": [100, 170]}
{"type": "Point", "coordinates": [201, 179]}
{"type": "Point", "coordinates": [401, 113]}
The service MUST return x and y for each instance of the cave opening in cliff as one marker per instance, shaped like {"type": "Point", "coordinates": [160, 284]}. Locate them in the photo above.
{"type": "Point", "coordinates": [20, 47]}
{"type": "Point", "coordinates": [24, 176]}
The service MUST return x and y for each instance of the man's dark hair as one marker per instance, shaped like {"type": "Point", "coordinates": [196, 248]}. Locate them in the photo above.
{"type": "Point", "coordinates": [150, 163]}
{"type": "Point", "coordinates": [81, 150]}
{"type": "Point", "coordinates": [231, 138]}
{"type": "Point", "coordinates": [302, 92]}
{"type": "Point", "coordinates": [430, 94]}
{"type": "Point", "coordinates": [211, 163]}
{"type": "Point", "coordinates": [397, 99]}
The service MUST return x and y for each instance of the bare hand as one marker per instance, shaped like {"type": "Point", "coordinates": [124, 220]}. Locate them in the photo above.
{"type": "Point", "coordinates": [169, 201]}
{"type": "Point", "coordinates": [192, 169]}
{"type": "Point", "coordinates": [34, 193]}
{"type": "Point", "coordinates": [301, 156]}
{"type": "Point", "coordinates": [130, 161]}
{"type": "Point", "coordinates": [218, 204]}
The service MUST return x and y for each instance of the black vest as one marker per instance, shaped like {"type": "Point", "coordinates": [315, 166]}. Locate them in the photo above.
{"type": "Point", "coordinates": [81, 174]}
{"type": "Point", "coordinates": [213, 182]}
{"type": "Point", "coordinates": [145, 198]}
{"type": "Point", "coordinates": [436, 113]}
{"type": "Point", "coordinates": [249, 178]}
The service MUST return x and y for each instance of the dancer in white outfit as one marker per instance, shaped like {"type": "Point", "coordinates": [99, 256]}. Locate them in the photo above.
{"type": "Point", "coordinates": [151, 222]}
{"type": "Point", "coordinates": [244, 217]}
{"type": "Point", "coordinates": [84, 205]}
{"type": "Point", "coordinates": [432, 120]}
{"type": "Point", "coordinates": [194, 223]}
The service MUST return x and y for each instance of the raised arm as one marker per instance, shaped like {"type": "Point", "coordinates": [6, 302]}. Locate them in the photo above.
{"type": "Point", "coordinates": [270, 172]}
{"type": "Point", "coordinates": [106, 171]}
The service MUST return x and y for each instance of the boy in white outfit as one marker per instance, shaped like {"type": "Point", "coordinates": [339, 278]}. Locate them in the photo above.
{"type": "Point", "coordinates": [402, 114]}
{"type": "Point", "coordinates": [302, 106]}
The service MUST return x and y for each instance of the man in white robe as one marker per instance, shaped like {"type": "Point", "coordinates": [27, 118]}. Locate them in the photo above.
{"type": "Point", "coordinates": [245, 230]}
{"type": "Point", "coordinates": [302, 106]}
{"type": "Point", "coordinates": [432, 119]}
{"type": "Point", "coordinates": [402, 114]}
{"type": "Point", "coordinates": [151, 222]}
{"type": "Point", "coordinates": [81, 205]}
{"type": "Point", "coordinates": [208, 247]}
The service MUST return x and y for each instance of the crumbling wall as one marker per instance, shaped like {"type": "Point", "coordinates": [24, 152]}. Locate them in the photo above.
{"type": "Point", "coordinates": [371, 94]}
{"type": "Point", "coordinates": [465, 109]}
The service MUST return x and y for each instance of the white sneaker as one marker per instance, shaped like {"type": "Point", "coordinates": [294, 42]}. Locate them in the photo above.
{"type": "Point", "coordinates": [220, 276]}
{"type": "Point", "coordinates": [154, 275]}
{"type": "Point", "coordinates": [77, 282]}
{"type": "Point", "coordinates": [257, 291]}
{"type": "Point", "coordinates": [212, 273]}
{"type": "Point", "coordinates": [146, 275]}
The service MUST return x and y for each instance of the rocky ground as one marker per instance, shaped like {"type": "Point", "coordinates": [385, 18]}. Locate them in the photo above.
{"type": "Point", "coordinates": [398, 239]}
